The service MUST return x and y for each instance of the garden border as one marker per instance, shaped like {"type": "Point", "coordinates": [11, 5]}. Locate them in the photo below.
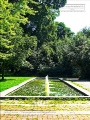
{"type": "Point", "coordinates": [3, 95]}
{"type": "Point", "coordinates": [44, 97]}
{"type": "Point", "coordinates": [5, 92]}
{"type": "Point", "coordinates": [85, 92]}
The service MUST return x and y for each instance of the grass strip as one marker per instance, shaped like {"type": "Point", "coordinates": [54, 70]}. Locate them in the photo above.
{"type": "Point", "coordinates": [9, 82]}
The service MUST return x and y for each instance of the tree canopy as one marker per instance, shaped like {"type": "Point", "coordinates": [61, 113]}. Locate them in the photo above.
{"type": "Point", "coordinates": [31, 42]}
{"type": "Point", "coordinates": [12, 15]}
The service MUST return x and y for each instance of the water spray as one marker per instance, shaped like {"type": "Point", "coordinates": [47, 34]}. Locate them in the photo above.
{"type": "Point", "coordinates": [46, 86]}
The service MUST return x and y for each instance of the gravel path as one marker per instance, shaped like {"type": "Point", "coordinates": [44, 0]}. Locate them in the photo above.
{"type": "Point", "coordinates": [84, 84]}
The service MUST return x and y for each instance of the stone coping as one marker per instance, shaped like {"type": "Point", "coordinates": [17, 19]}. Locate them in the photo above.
{"type": "Point", "coordinates": [85, 92]}
{"type": "Point", "coordinates": [43, 112]}
{"type": "Point", "coordinates": [44, 97]}
{"type": "Point", "coordinates": [5, 92]}
{"type": "Point", "coordinates": [3, 95]}
{"type": "Point", "coordinates": [47, 105]}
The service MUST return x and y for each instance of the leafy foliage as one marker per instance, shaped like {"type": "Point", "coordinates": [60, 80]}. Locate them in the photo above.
{"type": "Point", "coordinates": [31, 42]}
{"type": "Point", "coordinates": [63, 31]}
{"type": "Point", "coordinates": [12, 15]}
{"type": "Point", "coordinates": [80, 53]}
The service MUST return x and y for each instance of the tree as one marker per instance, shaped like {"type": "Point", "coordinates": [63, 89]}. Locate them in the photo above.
{"type": "Point", "coordinates": [63, 31]}
{"type": "Point", "coordinates": [42, 22]}
{"type": "Point", "coordinates": [12, 15]}
{"type": "Point", "coordinates": [86, 31]}
{"type": "Point", "coordinates": [24, 46]}
{"type": "Point", "coordinates": [43, 27]}
{"type": "Point", "coordinates": [56, 4]}
{"type": "Point", "coordinates": [79, 54]}
{"type": "Point", "coordinates": [19, 15]}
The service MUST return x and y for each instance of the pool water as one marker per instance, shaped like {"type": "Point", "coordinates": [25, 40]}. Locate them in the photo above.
{"type": "Point", "coordinates": [37, 88]}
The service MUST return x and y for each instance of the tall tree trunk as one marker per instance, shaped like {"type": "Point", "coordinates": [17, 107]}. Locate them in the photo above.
{"type": "Point", "coordinates": [3, 70]}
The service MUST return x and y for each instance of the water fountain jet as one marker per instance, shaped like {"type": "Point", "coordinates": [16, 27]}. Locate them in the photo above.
{"type": "Point", "coordinates": [46, 86]}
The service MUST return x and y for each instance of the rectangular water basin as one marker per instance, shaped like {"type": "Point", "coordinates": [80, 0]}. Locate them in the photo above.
{"type": "Point", "coordinates": [37, 88]}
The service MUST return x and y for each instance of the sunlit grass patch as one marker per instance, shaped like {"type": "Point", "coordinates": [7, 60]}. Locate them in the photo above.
{"type": "Point", "coordinates": [9, 82]}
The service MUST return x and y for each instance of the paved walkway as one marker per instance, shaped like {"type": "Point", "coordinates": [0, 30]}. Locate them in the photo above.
{"type": "Point", "coordinates": [67, 112]}
{"type": "Point", "coordinates": [84, 84]}
{"type": "Point", "coordinates": [45, 112]}
{"type": "Point", "coordinates": [46, 117]}
{"type": "Point", "coordinates": [49, 115]}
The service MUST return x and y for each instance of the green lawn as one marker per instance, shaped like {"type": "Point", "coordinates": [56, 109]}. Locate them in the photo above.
{"type": "Point", "coordinates": [9, 82]}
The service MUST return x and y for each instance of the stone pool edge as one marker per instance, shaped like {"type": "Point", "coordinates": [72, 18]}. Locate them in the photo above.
{"type": "Point", "coordinates": [87, 93]}
{"type": "Point", "coordinates": [3, 95]}
{"type": "Point", "coordinates": [5, 92]}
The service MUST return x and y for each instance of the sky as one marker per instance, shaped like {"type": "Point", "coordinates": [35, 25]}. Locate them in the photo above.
{"type": "Point", "coordinates": [75, 14]}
